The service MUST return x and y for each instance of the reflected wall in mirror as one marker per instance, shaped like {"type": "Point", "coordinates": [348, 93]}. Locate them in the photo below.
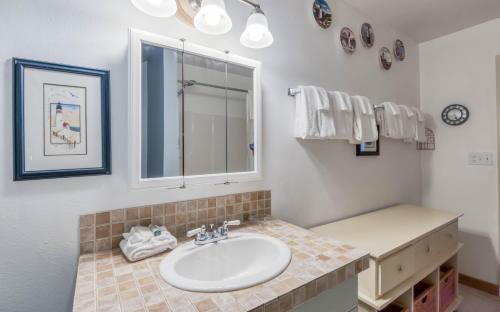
{"type": "Point", "coordinates": [199, 113]}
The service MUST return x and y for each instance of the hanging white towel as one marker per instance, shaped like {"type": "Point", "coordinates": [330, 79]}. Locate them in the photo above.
{"type": "Point", "coordinates": [420, 130]}
{"type": "Point", "coordinates": [391, 124]}
{"type": "Point", "coordinates": [136, 245]}
{"type": "Point", "coordinates": [313, 114]}
{"type": "Point", "coordinates": [365, 126]}
{"type": "Point", "coordinates": [409, 120]}
{"type": "Point", "coordinates": [343, 115]}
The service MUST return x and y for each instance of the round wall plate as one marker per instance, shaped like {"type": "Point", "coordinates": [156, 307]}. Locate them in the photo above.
{"type": "Point", "coordinates": [322, 13]}
{"type": "Point", "coordinates": [367, 35]}
{"type": "Point", "coordinates": [348, 40]}
{"type": "Point", "coordinates": [385, 58]}
{"type": "Point", "coordinates": [455, 114]}
{"type": "Point", "coordinates": [399, 50]}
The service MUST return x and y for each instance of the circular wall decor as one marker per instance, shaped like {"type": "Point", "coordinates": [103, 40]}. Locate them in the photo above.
{"type": "Point", "coordinates": [367, 35]}
{"type": "Point", "coordinates": [399, 50]}
{"type": "Point", "coordinates": [348, 40]}
{"type": "Point", "coordinates": [455, 114]}
{"type": "Point", "coordinates": [385, 58]}
{"type": "Point", "coordinates": [322, 13]}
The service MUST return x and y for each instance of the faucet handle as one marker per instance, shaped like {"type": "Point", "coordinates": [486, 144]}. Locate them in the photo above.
{"type": "Point", "coordinates": [232, 222]}
{"type": "Point", "coordinates": [228, 223]}
{"type": "Point", "coordinates": [201, 230]}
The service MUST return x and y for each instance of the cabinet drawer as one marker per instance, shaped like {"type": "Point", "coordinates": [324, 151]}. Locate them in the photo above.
{"type": "Point", "coordinates": [426, 251]}
{"type": "Point", "coordinates": [446, 238]}
{"type": "Point", "coordinates": [395, 269]}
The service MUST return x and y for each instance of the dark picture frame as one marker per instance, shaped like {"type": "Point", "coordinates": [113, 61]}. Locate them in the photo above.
{"type": "Point", "coordinates": [19, 86]}
{"type": "Point", "coordinates": [364, 150]}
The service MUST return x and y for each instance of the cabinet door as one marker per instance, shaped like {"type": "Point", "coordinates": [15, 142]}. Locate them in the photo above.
{"type": "Point", "coordinates": [341, 298]}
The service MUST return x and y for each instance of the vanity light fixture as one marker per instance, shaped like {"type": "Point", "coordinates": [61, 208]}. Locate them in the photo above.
{"type": "Point", "coordinates": [211, 18]}
{"type": "Point", "coordinates": [257, 34]}
{"type": "Point", "coordinates": [156, 8]}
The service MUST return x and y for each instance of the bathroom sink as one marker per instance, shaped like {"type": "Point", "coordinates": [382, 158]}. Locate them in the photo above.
{"type": "Point", "coordinates": [241, 261]}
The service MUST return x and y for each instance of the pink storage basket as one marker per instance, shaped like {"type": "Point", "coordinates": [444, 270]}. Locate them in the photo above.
{"type": "Point", "coordinates": [424, 298]}
{"type": "Point", "coordinates": [446, 288]}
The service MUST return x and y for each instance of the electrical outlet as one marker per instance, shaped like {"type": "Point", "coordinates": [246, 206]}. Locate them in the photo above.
{"type": "Point", "coordinates": [481, 159]}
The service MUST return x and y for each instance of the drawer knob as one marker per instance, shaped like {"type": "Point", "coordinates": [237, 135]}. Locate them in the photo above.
{"type": "Point", "coordinates": [400, 268]}
{"type": "Point", "coordinates": [428, 249]}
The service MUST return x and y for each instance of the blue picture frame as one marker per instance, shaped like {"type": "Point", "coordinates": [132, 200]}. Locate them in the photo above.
{"type": "Point", "coordinates": [20, 173]}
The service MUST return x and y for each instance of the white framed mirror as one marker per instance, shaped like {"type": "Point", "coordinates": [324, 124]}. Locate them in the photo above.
{"type": "Point", "coordinates": [194, 114]}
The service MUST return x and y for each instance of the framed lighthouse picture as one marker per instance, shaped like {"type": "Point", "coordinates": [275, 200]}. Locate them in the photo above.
{"type": "Point", "coordinates": [61, 121]}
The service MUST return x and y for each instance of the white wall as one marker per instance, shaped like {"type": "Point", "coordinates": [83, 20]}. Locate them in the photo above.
{"type": "Point", "coordinates": [460, 68]}
{"type": "Point", "coordinates": [312, 182]}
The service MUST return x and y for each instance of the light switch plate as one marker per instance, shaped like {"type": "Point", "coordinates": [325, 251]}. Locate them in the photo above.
{"type": "Point", "coordinates": [481, 159]}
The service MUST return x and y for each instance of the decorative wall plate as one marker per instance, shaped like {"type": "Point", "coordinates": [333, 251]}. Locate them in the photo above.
{"type": "Point", "coordinates": [367, 35]}
{"type": "Point", "coordinates": [385, 58]}
{"type": "Point", "coordinates": [399, 50]}
{"type": "Point", "coordinates": [348, 40]}
{"type": "Point", "coordinates": [455, 115]}
{"type": "Point", "coordinates": [322, 13]}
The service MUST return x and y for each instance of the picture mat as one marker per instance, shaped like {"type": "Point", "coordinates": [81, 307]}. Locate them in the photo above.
{"type": "Point", "coordinates": [35, 160]}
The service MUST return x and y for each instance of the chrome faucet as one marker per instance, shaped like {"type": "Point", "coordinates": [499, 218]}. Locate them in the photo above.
{"type": "Point", "coordinates": [213, 235]}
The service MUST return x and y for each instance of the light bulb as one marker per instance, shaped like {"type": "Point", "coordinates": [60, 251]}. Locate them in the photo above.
{"type": "Point", "coordinates": [212, 18]}
{"type": "Point", "coordinates": [257, 34]}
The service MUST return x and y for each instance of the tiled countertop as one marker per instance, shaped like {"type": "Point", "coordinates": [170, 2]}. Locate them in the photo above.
{"type": "Point", "coordinates": [106, 281]}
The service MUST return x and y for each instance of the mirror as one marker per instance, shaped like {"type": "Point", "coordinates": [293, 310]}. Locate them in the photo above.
{"type": "Point", "coordinates": [198, 111]}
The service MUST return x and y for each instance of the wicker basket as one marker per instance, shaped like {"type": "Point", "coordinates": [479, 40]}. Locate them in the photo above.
{"type": "Point", "coordinates": [424, 298]}
{"type": "Point", "coordinates": [446, 288]}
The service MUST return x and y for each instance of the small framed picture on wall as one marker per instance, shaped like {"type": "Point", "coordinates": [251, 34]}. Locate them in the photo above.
{"type": "Point", "coordinates": [368, 149]}
{"type": "Point", "coordinates": [61, 121]}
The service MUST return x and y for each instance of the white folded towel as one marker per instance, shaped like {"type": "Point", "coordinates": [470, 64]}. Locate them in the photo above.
{"type": "Point", "coordinates": [136, 249]}
{"type": "Point", "coordinates": [365, 126]}
{"type": "Point", "coordinates": [313, 114]}
{"type": "Point", "coordinates": [391, 123]}
{"type": "Point", "coordinates": [420, 131]}
{"type": "Point", "coordinates": [138, 234]}
{"type": "Point", "coordinates": [343, 115]}
{"type": "Point", "coordinates": [409, 120]}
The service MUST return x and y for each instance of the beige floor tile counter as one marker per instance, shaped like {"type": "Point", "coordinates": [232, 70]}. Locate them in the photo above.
{"type": "Point", "coordinates": [106, 281]}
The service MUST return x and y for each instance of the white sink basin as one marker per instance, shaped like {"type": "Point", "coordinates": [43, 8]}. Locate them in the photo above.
{"type": "Point", "coordinates": [243, 260]}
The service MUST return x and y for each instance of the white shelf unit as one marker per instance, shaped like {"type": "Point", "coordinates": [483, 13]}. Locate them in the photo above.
{"type": "Point", "coordinates": [407, 244]}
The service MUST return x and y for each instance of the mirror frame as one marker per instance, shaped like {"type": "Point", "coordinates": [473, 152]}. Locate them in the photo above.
{"type": "Point", "coordinates": [137, 38]}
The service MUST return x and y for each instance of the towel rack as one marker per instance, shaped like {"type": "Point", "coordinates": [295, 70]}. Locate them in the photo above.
{"type": "Point", "coordinates": [295, 91]}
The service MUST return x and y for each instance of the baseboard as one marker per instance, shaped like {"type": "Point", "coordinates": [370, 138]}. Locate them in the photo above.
{"type": "Point", "coordinates": [479, 284]}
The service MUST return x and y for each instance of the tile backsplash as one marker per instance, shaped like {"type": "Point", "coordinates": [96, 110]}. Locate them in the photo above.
{"type": "Point", "coordinates": [103, 230]}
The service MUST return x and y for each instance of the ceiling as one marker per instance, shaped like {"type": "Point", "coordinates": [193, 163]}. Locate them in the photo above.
{"type": "Point", "coordinates": [424, 20]}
